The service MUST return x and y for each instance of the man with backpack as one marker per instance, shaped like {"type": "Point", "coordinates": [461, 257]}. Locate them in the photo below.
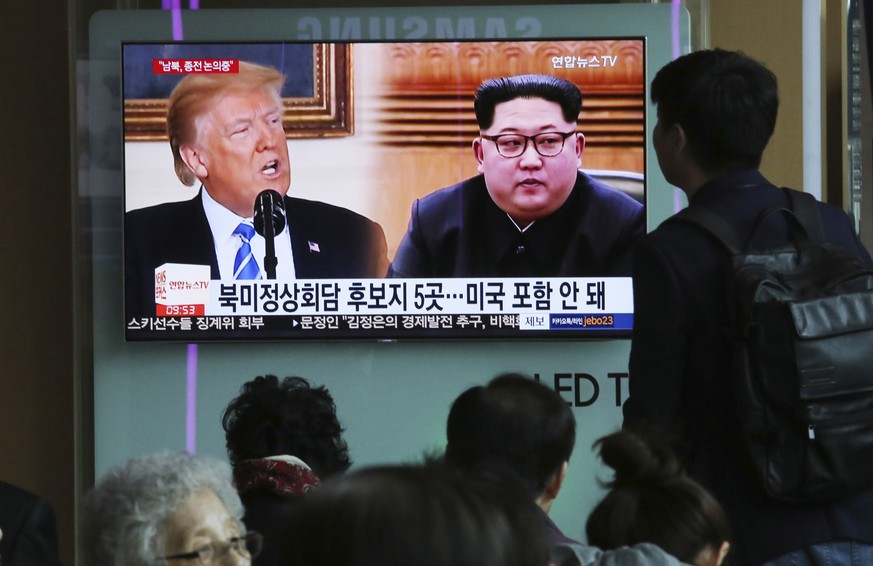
{"type": "Point", "coordinates": [716, 112]}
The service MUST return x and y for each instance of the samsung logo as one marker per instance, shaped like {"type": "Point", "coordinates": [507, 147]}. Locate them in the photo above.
{"type": "Point", "coordinates": [337, 28]}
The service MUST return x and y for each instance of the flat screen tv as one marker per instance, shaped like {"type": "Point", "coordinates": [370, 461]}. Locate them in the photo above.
{"type": "Point", "coordinates": [377, 113]}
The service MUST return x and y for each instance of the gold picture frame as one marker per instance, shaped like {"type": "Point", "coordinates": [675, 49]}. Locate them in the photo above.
{"type": "Point", "coordinates": [327, 113]}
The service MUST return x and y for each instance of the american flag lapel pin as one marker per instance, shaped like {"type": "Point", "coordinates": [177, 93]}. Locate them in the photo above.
{"type": "Point", "coordinates": [313, 247]}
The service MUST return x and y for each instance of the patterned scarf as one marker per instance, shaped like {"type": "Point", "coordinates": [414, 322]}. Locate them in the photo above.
{"type": "Point", "coordinates": [281, 475]}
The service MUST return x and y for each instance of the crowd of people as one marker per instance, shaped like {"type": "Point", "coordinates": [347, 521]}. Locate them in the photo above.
{"type": "Point", "coordinates": [288, 497]}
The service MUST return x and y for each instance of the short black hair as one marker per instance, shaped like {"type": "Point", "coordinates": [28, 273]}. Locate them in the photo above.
{"type": "Point", "coordinates": [288, 417]}
{"type": "Point", "coordinates": [651, 499]}
{"type": "Point", "coordinates": [503, 89]}
{"type": "Point", "coordinates": [725, 101]}
{"type": "Point", "coordinates": [399, 515]}
{"type": "Point", "coordinates": [513, 423]}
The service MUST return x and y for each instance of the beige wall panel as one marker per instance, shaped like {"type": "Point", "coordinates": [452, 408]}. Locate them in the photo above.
{"type": "Point", "coordinates": [770, 31]}
{"type": "Point", "coordinates": [36, 345]}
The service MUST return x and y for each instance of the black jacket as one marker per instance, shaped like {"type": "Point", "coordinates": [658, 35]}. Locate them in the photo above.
{"type": "Point", "coordinates": [29, 529]}
{"type": "Point", "coordinates": [680, 367]}
{"type": "Point", "coordinates": [349, 245]}
{"type": "Point", "coordinates": [459, 232]}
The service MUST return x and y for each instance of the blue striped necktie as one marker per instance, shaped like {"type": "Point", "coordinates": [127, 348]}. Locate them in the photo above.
{"type": "Point", "coordinates": [244, 264]}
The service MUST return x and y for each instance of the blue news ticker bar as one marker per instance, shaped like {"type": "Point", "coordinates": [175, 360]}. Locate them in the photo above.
{"type": "Point", "coordinates": [578, 321]}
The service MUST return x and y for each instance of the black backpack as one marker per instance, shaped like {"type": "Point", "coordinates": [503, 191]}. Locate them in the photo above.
{"type": "Point", "coordinates": [802, 334]}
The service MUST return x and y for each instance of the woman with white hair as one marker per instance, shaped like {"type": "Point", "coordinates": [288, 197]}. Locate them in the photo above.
{"type": "Point", "coordinates": [169, 508]}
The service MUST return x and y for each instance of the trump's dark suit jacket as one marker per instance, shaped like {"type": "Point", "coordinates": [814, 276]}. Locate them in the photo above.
{"type": "Point", "coordinates": [680, 367]}
{"type": "Point", "coordinates": [349, 245]}
{"type": "Point", "coordinates": [29, 529]}
{"type": "Point", "coordinates": [459, 232]}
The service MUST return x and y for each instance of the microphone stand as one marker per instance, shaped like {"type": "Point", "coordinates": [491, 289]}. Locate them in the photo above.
{"type": "Point", "coordinates": [269, 219]}
{"type": "Point", "coordinates": [270, 260]}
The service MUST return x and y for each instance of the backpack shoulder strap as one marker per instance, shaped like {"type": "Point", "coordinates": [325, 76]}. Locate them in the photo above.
{"type": "Point", "coordinates": [713, 224]}
{"type": "Point", "coordinates": [805, 209]}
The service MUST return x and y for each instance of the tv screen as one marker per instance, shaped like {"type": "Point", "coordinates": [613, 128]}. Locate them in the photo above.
{"type": "Point", "coordinates": [379, 206]}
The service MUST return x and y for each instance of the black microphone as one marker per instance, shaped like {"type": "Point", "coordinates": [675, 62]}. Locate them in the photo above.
{"type": "Point", "coordinates": [269, 220]}
{"type": "Point", "coordinates": [269, 204]}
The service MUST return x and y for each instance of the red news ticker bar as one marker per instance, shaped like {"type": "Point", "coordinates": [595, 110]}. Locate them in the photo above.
{"type": "Point", "coordinates": [181, 310]}
{"type": "Point", "coordinates": [194, 66]}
